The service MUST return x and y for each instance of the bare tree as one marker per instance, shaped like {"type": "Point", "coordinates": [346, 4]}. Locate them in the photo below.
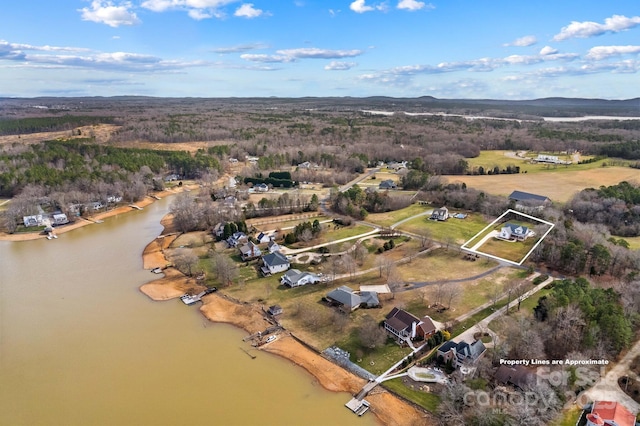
{"type": "Point", "coordinates": [186, 213]}
{"type": "Point", "coordinates": [371, 334]}
{"type": "Point", "coordinates": [185, 261]}
{"type": "Point", "coordinates": [224, 268]}
{"type": "Point", "coordinates": [394, 280]}
{"type": "Point", "coordinates": [452, 293]}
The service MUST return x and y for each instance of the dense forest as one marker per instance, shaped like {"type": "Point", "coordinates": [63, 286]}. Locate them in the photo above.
{"type": "Point", "coordinates": [345, 134]}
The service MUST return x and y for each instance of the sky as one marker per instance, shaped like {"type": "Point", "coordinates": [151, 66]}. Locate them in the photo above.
{"type": "Point", "coordinates": [464, 49]}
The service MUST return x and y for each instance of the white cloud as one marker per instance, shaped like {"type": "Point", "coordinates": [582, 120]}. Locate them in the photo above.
{"type": "Point", "coordinates": [266, 58]}
{"type": "Point", "coordinates": [240, 48]}
{"type": "Point", "coordinates": [199, 14]}
{"type": "Point", "coordinates": [548, 50]}
{"type": "Point", "coordinates": [340, 66]}
{"type": "Point", "coordinates": [587, 29]}
{"type": "Point", "coordinates": [315, 53]}
{"type": "Point", "coordinates": [413, 5]}
{"type": "Point", "coordinates": [248, 11]}
{"type": "Point", "coordinates": [359, 6]}
{"type": "Point", "coordinates": [523, 41]}
{"type": "Point", "coordinates": [603, 52]}
{"type": "Point", "coordinates": [196, 9]}
{"type": "Point", "coordinates": [105, 12]}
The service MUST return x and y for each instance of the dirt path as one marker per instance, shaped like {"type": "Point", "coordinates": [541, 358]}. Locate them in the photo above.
{"type": "Point", "coordinates": [607, 389]}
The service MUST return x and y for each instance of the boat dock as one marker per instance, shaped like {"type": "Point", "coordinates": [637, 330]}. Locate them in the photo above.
{"type": "Point", "coordinates": [358, 406]}
{"type": "Point", "coordinates": [190, 299]}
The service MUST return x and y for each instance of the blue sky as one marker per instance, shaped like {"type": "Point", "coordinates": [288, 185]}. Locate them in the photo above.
{"type": "Point", "coordinates": [291, 48]}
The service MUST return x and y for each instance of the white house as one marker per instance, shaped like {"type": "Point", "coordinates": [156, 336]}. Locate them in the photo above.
{"type": "Point", "coordinates": [263, 238]}
{"type": "Point", "coordinates": [274, 262]}
{"type": "Point", "coordinates": [514, 232]}
{"type": "Point", "coordinates": [295, 278]}
{"type": "Point", "coordinates": [60, 218]}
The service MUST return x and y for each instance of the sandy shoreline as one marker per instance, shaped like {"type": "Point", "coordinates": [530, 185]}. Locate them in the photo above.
{"type": "Point", "coordinates": [388, 409]}
{"type": "Point", "coordinates": [80, 221]}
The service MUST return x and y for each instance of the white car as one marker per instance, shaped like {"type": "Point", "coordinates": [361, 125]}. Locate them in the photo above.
{"type": "Point", "coordinates": [271, 338]}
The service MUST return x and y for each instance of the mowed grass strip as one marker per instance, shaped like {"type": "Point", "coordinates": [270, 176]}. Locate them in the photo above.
{"type": "Point", "coordinates": [426, 400]}
{"type": "Point", "coordinates": [393, 217]}
{"type": "Point", "coordinates": [455, 230]}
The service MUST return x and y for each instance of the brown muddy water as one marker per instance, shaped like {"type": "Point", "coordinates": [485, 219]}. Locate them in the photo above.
{"type": "Point", "coordinates": [80, 345]}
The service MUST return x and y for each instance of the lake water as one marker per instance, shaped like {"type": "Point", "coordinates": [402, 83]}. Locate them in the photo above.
{"type": "Point", "coordinates": [80, 345]}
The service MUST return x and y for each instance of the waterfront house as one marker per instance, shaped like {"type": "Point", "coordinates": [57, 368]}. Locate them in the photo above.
{"type": "Point", "coordinates": [33, 220]}
{"type": "Point", "coordinates": [441, 214]}
{"type": "Point", "coordinates": [274, 262]}
{"type": "Point", "coordinates": [462, 353]}
{"type": "Point", "coordinates": [406, 326]}
{"type": "Point", "coordinates": [295, 278]}
{"type": "Point", "coordinates": [59, 218]}
{"type": "Point", "coordinates": [345, 298]}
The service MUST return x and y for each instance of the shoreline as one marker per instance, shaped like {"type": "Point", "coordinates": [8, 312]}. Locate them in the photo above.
{"type": "Point", "coordinates": [91, 220]}
{"type": "Point", "coordinates": [386, 407]}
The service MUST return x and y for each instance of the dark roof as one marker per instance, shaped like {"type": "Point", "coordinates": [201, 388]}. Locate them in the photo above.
{"type": "Point", "coordinates": [517, 375]}
{"type": "Point", "coordinates": [427, 325]}
{"type": "Point", "coordinates": [399, 319]}
{"type": "Point", "coordinates": [447, 346]}
{"type": "Point", "coordinates": [525, 196]}
{"type": "Point", "coordinates": [275, 258]}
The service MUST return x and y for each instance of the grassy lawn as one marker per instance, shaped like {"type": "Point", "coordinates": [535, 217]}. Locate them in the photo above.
{"type": "Point", "coordinates": [376, 361]}
{"type": "Point", "coordinates": [634, 242]}
{"type": "Point", "coordinates": [557, 184]}
{"type": "Point", "coordinates": [265, 224]}
{"type": "Point", "coordinates": [568, 417]}
{"type": "Point", "coordinates": [424, 399]}
{"type": "Point", "coordinates": [442, 264]}
{"type": "Point", "coordinates": [456, 230]}
{"type": "Point", "coordinates": [332, 233]}
{"type": "Point", "coordinates": [389, 218]}
{"type": "Point", "coordinates": [513, 251]}
{"type": "Point", "coordinates": [490, 159]}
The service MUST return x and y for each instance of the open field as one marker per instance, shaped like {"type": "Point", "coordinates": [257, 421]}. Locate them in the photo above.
{"type": "Point", "coordinates": [558, 185]}
{"type": "Point", "coordinates": [490, 159]}
{"type": "Point", "coordinates": [389, 218]}
{"type": "Point", "coordinates": [442, 265]}
{"type": "Point", "coordinates": [455, 230]}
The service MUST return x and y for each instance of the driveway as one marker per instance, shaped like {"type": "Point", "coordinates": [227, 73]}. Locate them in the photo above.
{"type": "Point", "coordinates": [607, 389]}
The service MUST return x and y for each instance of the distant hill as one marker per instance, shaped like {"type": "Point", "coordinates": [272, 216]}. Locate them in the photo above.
{"type": "Point", "coordinates": [546, 107]}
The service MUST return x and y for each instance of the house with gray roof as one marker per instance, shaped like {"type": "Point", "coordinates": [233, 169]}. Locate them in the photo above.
{"type": "Point", "coordinates": [274, 262]}
{"type": "Point", "coordinates": [249, 251]}
{"type": "Point", "coordinates": [515, 232]}
{"type": "Point", "coordinates": [345, 297]}
{"type": "Point", "coordinates": [387, 184]}
{"type": "Point", "coordinates": [462, 353]}
{"type": "Point", "coordinates": [441, 214]}
{"type": "Point", "coordinates": [295, 278]}
{"type": "Point", "coordinates": [525, 201]}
